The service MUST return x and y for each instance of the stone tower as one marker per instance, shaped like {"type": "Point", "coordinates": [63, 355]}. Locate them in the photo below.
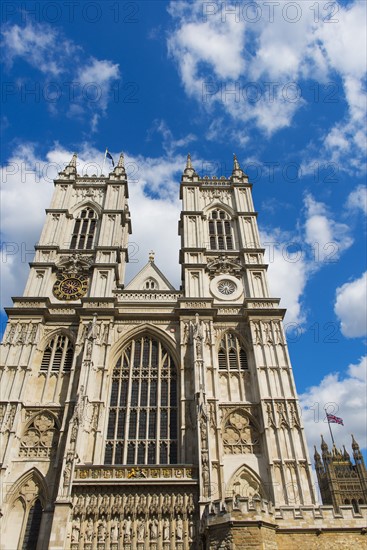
{"type": "Point", "coordinates": [140, 417]}
{"type": "Point", "coordinates": [341, 482]}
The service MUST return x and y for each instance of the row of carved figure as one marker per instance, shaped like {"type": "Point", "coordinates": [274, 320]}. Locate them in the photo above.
{"type": "Point", "coordinates": [138, 503]}
{"type": "Point", "coordinates": [140, 529]}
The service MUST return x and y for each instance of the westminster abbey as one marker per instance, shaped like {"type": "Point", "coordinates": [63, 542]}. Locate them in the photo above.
{"type": "Point", "coordinates": [135, 416]}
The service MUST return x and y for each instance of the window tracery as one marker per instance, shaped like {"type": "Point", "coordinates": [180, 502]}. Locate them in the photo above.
{"type": "Point", "coordinates": [40, 438]}
{"type": "Point", "coordinates": [58, 355]}
{"type": "Point", "coordinates": [240, 434]}
{"type": "Point", "coordinates": [142, 424]}
{"type": "Point", "coordinates": [84, 230]}
{"type": "Point", "coordinates": [231, 355]}
{"type": "Point", "coordinates": [220, 230]}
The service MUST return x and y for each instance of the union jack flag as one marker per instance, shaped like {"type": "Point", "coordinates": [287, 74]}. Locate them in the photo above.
{"type": "Point", "coordinates": [334, 419]}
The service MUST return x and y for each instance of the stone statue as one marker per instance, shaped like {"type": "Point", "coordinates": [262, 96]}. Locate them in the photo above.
{"type": "Point", "coordinates": [75, 530]}
{"type": "Point", "coordinates": [102, 530]}
{"type": "Point", "coordinates": [89, 530]}
{"type": "Point", "coordinates": [179, 528]}
{"type": "Point", "coordinates": [166, 529]}
{"type": "Point", "coordinates": [153, 528]}
{"type": "Point", "coordinates": [127, 529]}
{"type": "Point", "coordinates": [141, 530]}
{"type": "Point", "coordinates": [114, 531]}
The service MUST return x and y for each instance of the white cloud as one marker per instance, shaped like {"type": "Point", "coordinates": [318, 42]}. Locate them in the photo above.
{"type": "Point", "coordinates": [71, 80]}
{"type": "Point", "coordinates": [350, 307]}
{"type": "Point", "coordinates": [287, 273]}
{"type": "Point", "coordinates": [40, 45]}
{"type": "Point", "coordinates": [170, 145]}
{"type": "Point", "coordinates": [343, 395]}
{"type": "Point", "coordinates": [99, 74]}
{"type": "Point", "coordinates": [294, 257]}
{"type": "Point", "coordinates": [358, 199]}
{"type": "Point", "coordinates": [217, 49]}
{"type": "Point", "coordinates": [326, 237]}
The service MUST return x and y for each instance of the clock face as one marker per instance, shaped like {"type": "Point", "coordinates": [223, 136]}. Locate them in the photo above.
{"type": "Point", "coordinates": [70, 287]}
{"type": "Point", "coordinates": [226, 287]}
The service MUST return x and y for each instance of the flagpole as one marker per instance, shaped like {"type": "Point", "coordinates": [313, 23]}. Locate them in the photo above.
{"type": "Point", "coordinates": [104, 160]}
{"type": "Point", "coordinates": [331, 433]}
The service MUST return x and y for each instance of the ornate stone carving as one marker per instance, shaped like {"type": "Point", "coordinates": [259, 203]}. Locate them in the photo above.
{"type": "Point", "coordinates": [224, 264]}
{"type": "Point", "coordinates": [74, 263]}
{"type": "Point", "coordinates": [40, 438]}
{"type": "Point", "coordinates": [245, 484]}
{"type": "Point", "coordinates": [240, 435]}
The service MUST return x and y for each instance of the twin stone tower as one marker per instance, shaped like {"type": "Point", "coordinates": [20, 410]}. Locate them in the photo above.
{"type": "Point", "coordinates": [140, 417]}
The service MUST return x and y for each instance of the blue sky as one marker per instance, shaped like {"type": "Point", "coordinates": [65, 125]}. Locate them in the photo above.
{"type": "Point", "coordinates": [281, 84]}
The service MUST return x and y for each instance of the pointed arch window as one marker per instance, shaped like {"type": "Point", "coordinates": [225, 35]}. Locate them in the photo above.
{"type": "Point", "coordinates": [142, 423]}
{"type": "Point", "coordinates": [84, 230]}
{"type": "Point", "coordinates": [220, 230]}
{"type": "Point", "coordinates": [231, 355]}
{"type": "Point", "coordinates": [58, 355]}
{"type": "Point", "coordinates": [33, 526]}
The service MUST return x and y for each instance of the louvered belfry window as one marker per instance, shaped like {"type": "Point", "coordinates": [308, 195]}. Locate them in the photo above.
{"type": "Point", "coordinates": [220, 230]}
{"type": "Point", "coordinates": [142, 422]}
{"type": "Point", "coordinates": [84, 230]}
{"type": "Point", "coordinates": [58, 355]}
{"type": "Point", "coordinates": [231, 356]}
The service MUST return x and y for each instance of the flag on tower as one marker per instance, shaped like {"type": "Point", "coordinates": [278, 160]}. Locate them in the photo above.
{"type": "Point", "coordinates": [334, 419]}
{"type": "Point", "coordinates": [109, 156]}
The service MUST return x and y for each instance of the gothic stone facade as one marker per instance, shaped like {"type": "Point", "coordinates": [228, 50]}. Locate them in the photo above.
{"type": "Point", "coordinates": [140, 417]}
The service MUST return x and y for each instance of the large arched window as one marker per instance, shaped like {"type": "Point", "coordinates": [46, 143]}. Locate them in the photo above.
{"type": "Point", "coordinates": [220, 230]}
{"type": "Point", "coordinates": [142, 423]}
{"type": "Point", "coordinates": [84, 230]}
{"type": "Point", "coordinates": [231, 356]}
{"type": "Point", "coordinates": [58, 355]}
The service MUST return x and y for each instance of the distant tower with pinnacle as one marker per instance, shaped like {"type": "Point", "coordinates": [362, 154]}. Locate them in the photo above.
{"type": "Point", "coordinates": [341, 482]}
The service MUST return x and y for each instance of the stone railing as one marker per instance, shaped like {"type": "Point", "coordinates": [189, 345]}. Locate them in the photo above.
{"type": "Point", "coordinates": [149, 297]}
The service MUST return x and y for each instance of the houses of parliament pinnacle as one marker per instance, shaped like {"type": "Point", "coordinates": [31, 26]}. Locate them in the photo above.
{"type": "Point", "coordinates": [135, 416]}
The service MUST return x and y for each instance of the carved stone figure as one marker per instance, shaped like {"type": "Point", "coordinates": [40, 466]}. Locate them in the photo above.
{"type": "Point", "coordinates": [141, 530]}
{"type": "Point", "coordinates": [127, 529]}
{"type": "Point", "coordinates": [153, 529]}
{"type": "Point", "coordinates": [75, 530]}
{"type": "Point", "coordinates": [166, 529]}
{"type": "Point", "coordinates": [114, 531]}
{"type": "Point", "coordinates": [89, 531]}
{"type": "Point", "coordinates": [179, 528]}
{"type": "Point", "coordinates": [102, 530]}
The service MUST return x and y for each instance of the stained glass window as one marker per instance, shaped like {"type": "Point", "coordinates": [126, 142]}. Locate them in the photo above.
{"type": "Point", "coordinates": [143, 406]}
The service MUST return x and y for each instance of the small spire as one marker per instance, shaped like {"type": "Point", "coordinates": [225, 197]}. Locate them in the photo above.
{"type": "Point", "coordinates": [316, 455]}
{"type": "Point", "coordinates": [71, 167]}
{"type": "Point", "coordinates": [237, 171]}
{"type": "Point", "coordinates": [188, 162]}
{"type": "Point", "coordinates": [151, 256]}
{"type": "Point", "coordinates": [121, 162]}
{"type": "Point", "coordinates": [73, 160]}
{"type": "Point", "coordinates": [345, 454]}
{"type": "Point", "coordinates": [189, 170]}
{"type": "Point", "coordinates": [236, 165]}
{"type": "Point", "coordinates": [324, 446]}
{"type": "Point", "coordinates": [355, 445]}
